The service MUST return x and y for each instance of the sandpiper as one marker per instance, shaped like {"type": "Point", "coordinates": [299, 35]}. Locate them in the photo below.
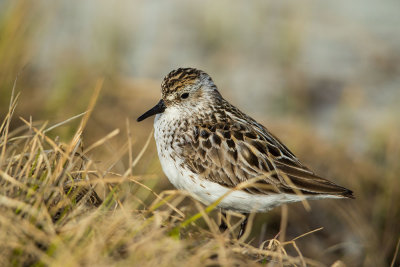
{"type": "Point", "coordinates": [210, 148]}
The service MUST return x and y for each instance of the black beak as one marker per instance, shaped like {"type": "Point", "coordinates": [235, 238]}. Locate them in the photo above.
{"type": "Point", "coordinates": [159, 108]}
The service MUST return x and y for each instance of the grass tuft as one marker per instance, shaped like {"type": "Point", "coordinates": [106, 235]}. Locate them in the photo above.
{"type": "Point", "coordinates": [51, 212]}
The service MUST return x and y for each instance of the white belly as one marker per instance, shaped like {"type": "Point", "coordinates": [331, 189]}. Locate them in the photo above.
{"type": "Point", "coordinates": [208, 192]}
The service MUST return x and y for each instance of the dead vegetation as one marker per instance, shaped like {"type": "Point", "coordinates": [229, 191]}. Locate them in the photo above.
{"type": "Point", "coordinates": [52, 215]}
{"type": "Point", "coordinates": [78, 191]}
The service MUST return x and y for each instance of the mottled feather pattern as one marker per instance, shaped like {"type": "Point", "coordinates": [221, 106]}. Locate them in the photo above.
{"type": "Point", "coordinates": [237, 149]}
{"type": "Point", "coordinates": [178, 79]}
{"type": "Point", "coordinates": [208, 147]}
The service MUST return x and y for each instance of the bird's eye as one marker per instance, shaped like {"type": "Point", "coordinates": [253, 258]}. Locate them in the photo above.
{"type": "Point", "coordinates": [184, 95]}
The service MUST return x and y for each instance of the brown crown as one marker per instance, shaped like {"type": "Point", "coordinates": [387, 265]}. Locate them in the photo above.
{"type": "Point", "coordinates": [178, 79]}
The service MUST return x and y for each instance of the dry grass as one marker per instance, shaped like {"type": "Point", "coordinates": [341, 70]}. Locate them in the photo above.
{"type": "Point", "coordinates": [338, 114]}
{"type": "Point", "coordinates": [52, 215]}
{"type": "Point", "coordinates": [52, 212]}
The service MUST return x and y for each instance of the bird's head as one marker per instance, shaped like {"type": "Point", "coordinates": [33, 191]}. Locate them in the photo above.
{"type": "Point", "coordinates": [184, 88]}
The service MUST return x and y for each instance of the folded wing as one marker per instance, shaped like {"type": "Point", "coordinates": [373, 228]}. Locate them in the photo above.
{"type": "Point", "coordinates": [229, 154]}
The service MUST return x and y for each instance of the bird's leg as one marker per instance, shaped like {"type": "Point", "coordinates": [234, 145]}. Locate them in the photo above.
{"type": "Point", "coordinates": [223, 226]}
{"type": "Point", "coordinates": [243, 226]}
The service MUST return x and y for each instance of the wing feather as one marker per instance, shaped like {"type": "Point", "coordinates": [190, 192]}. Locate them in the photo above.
{"type": "Point", "coordinates": [229, 154]}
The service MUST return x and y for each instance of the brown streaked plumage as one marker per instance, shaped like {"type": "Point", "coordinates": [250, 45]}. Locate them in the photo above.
{"type": "Point", "coordinates": [235, 153]}
{"type": "Point", "coordinates": [178, 79]}
{"type": "Point", "coordinates": [208, 147]}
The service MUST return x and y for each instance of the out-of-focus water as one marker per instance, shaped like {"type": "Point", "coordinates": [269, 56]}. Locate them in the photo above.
{"type": "Point", "coordinates": [271, 58]}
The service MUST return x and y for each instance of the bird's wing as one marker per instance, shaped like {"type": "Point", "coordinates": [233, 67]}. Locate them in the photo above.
{"type": "Point", "coordinates": [229, 154]}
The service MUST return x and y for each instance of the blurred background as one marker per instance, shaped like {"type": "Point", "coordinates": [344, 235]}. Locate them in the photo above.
{"type": "Point", "coordinates": [324, 76]}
